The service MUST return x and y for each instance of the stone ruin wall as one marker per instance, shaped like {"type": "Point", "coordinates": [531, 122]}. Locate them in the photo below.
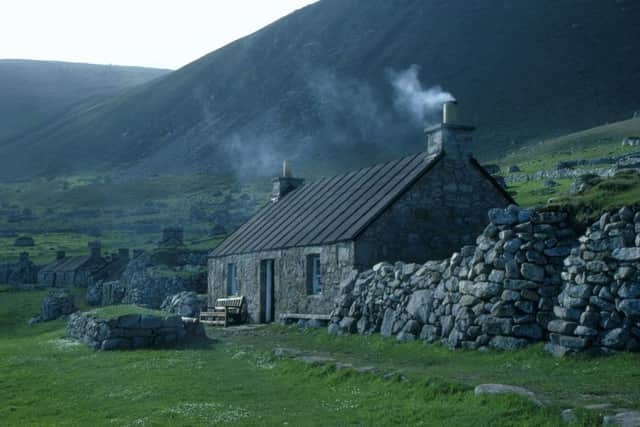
{"type": "Point", "coordinates": [599, 306]}
{"type": "Point", "coordinates": [131, 331]}
{"type": "Point", "coordinates": [525, 275]}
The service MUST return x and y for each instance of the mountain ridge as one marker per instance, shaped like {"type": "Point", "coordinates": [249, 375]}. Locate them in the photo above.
{"type": "Point", "coordinates": [314, 87]}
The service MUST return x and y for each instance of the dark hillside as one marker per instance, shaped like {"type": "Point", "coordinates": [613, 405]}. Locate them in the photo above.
{"type": "Point", "coordinates": [33, 92]}
{"type": "Point", "coordinates": [315, 87]}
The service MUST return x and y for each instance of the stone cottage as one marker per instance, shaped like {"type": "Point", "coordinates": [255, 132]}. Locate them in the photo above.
{"type": "Point", "coordinates": [80, 270]}
{"type": "Point", "coordinates": [291, 256]}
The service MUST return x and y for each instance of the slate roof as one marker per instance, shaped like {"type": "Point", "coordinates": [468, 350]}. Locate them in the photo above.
{"type": "Point", "coordinates": [328, 210]}
{"type": "Point", "coordinates": [72, 263]}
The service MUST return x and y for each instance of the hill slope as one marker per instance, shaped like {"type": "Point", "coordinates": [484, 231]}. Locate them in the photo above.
{"type": "Point", "coordinates": [34, 92]}
{"type": "Point", "coordinates": [315, 87]}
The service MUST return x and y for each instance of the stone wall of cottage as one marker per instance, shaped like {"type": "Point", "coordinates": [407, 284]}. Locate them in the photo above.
{"type": "Point", "coordinates": [443, 211]}
{"type": "Point", "coordinates": [527, 279]}
{"type": "Point", "coordinates": [290, 278]}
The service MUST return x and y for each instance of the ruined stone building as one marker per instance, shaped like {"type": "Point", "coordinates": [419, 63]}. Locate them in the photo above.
{"type": "Point", "coordinates": [291, 256]}
{"type": "Point", "coordinates": [81, 270]}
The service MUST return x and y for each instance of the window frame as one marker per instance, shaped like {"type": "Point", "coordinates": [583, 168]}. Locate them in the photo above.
{"type": "Point", "coordinates": [314, 274]}
{"type": "Point", "coordinates": [232, 279]}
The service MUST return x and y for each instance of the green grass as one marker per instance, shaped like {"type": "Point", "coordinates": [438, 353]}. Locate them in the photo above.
{"type": "Point", "coordinates": [235, 380]}
{"type": "Point", "coordinates": [534, 193]}
{"type": "Point", "coordinates": [601, 141]}
{"type": "Point", "coordinates": [620, 190]}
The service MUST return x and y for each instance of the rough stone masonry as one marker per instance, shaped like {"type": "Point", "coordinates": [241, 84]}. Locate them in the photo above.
{"type": "Point", "coordinates": [525, 275]}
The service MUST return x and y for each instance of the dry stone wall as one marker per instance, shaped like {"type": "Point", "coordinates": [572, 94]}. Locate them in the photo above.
{"type": "Point", "coordinates": [527, 279]}
{"type": "Point", "coordinates": [499, 292]}
{"type": "Point", "coordinates": [131, 331]}
{"type": "Point", "coordinates": [599, 306]}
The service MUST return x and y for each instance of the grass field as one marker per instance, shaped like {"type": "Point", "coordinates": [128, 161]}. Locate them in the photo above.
{"type": "Point", "coordinates": [234, 379]}
{"type": "Point", "coordinates": [601, 141]}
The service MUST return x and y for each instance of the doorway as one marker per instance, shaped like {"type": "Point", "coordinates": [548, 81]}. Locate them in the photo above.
{"type": "Point", "coordinates": [267, 290]}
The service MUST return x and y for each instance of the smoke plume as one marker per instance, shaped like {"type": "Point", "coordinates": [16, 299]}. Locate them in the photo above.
{"type": "Point", "coordinates": [411, 97]}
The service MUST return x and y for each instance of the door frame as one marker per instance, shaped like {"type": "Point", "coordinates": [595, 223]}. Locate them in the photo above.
{"type": "Point", "coordinates": [267, 270]}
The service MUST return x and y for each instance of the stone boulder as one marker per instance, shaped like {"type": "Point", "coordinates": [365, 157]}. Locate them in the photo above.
{"type": "Point", "coordinates": [56, 304]}
{"type": "Point", "coordinates": [185, 304]}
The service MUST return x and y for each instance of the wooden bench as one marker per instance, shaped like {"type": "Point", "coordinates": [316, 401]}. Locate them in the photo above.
{"type": "Point", "coordinates": [226, 311]}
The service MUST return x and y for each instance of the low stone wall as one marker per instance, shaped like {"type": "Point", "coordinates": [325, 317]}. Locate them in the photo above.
{"type": "Point", "coordinates": [131, 331]}
{"type": "Point", "coordinates": [498, 293]}
{"type": "Point", "coordinates": [527, 279]}
{"type": "Point", "coordinates": [599, 307]}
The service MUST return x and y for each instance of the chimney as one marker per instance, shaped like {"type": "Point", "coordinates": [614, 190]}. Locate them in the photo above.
{"type": "Point", "coordinates": [24, 257]}
{"type": "Point", "coordinates": [282, 185]}
{"type": "Point", "coordinates": [95, 249]}
{"type": "Point", "coordinates": [450, 138]}
{"type": "Point", "coordinates": [60, 255]}
{"type": "Point", "coordinates": [123, 254]}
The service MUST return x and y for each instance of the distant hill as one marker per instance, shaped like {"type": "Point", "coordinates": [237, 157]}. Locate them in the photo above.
{"type": "Point", "coordinates": [315, 87]}
{"type": "Point", "coordinates": [598, 142]}
{"type": "Point", "coordinates": [34, 92]}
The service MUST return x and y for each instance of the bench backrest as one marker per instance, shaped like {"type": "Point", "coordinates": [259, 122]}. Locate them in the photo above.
{"type": "Point", "coordinates": [230, 302]}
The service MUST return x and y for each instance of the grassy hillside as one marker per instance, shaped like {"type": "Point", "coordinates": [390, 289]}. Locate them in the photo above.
{"type": "Point", "coordinates": [314, 87]}
{"type": "Point", "coordinates": [235, 379]}
{"type": "Point", "coordinates": [597, 142]}
{"type": "Point", "coordinates": [66, 213]}
{"type": "Point", "coordinates": [36, 92]}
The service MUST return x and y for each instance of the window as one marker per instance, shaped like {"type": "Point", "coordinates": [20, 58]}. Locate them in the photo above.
{"type": "Point", "coordinates": [232, 279]}
{"type": "Point", "coordinates": [314, 277]}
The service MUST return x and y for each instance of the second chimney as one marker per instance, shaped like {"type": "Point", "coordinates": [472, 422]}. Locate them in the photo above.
{"type": "Point", "coordinates": [282, 185]}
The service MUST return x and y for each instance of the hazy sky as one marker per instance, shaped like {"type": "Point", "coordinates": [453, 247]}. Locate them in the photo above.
{"type": "Point", "coordinates": [153, 33]}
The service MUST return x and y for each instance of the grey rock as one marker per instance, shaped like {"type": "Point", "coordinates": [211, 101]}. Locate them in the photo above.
{"type": "Point", "coordinates": [532, 272]}
{"type": "Point", "coordinates": [56, 304]}
{"type": "Point", "coordinates": [487, 289]}
{"type": "Point", "coordinates": [629, 290]}
{"type": "Point", "coordinates": [630, 307]}
{"type": "Point", "coordinates": [584, 331]}
{"type": "Point", "coordinates": [503, 216]}
{"type": "Point", "coordinates": [185, 304]}
{"type": "Point", "coordinates": [386, 329]}
{"type": "Point", "coordinates": [616, 339]}
{"type": "Point", "coordinates": [568, 416]}
{"type": "Point", "coordinates": [419, 306]}
{"type": "Point", "coordinates": [147, 321]}
{"type": "Point", "coordinates": [530, 331]}
{"type": "Point", "coordinates": [348, 324]}
{"type": "Point", "coordinates": [623, 419]}
{"type": "Point", "coordinates": [497, 326]}
{"type": "Point", "coordinates": [506, 389]}
{"type": "Point", "coordinates": [568, 341]}
{"type": "Point", "coordinates": [429, 333]}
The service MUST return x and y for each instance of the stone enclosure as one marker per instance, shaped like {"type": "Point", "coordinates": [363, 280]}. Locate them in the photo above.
{"type": "Point", "coordinates": [527, 279]}
{"type": "Point", "coordinates": [131, 331]}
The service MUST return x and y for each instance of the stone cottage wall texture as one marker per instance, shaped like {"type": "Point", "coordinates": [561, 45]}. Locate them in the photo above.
{"type": "Point", "coordinates": [290, 293]}
{"type": "Point", "coordinates": [439, 214]}
{"type": "Point", "coordinates": [527, 279]}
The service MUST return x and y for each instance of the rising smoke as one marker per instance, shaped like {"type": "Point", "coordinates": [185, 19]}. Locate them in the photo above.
{"type": "Point", "coordinates": [413, 99]}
